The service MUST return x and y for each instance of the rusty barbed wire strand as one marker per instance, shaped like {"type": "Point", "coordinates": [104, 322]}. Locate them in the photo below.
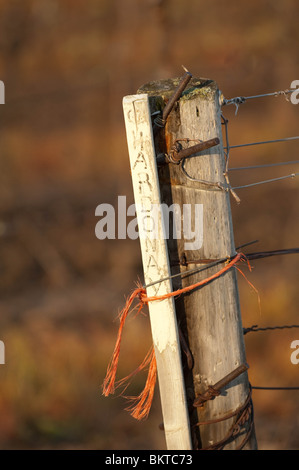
{"type": "Point", "coordinates": [265, 328]}
{"type": "Point", "coordinates": [255, 328]}
{"type": "Point", "coordinates": [249, 256]}
{"type": "Point", "coordinates": [212, 263]}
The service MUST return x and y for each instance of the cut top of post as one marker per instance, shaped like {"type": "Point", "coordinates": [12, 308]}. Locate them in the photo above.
{"type": "Point", "coordinates": [203, 87]}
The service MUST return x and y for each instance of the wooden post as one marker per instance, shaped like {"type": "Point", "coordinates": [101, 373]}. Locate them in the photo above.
{"type": "Point", "coordinates": [209, 317]}
{"type": "Point", "coordinates": [156, 266]}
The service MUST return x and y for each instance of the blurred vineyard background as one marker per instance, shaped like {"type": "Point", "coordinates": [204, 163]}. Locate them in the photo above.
{"type": "Point", "coordinates": [66, 66]}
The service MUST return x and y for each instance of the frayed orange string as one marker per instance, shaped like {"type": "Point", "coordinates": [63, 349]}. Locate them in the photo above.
{"type": "Point", "coordinates": [125, 381]}
{"type": "Point", "coordinates": [142, 404]}
{"type": "Point", "coordinates": [109, 382]}
{"type": "Point", "coordinates": [177, 292]}
{"type": "Point", "coordinates": [251, 285]}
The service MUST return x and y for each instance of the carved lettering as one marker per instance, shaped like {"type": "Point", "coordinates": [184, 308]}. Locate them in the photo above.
{"type": "Point", "coordinates": [140, 160]}
{"type": "Point", "coordinates": [144, 183]}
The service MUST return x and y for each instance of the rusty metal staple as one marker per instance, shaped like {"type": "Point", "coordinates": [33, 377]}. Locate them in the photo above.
{"type": "Point", "coordinates": [209, 394]}
{"type": "Point", "coordinates": [214, 390]}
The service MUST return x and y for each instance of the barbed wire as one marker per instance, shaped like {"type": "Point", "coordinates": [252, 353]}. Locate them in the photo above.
{"type": "Point", "coordinates": [211, 263]}
{"type": "Point", "coordinates": [255, 328]}
{"type": "Point", "coordinates": [265, 328]}
{"type": "Point", "coordinates": [238, 100]}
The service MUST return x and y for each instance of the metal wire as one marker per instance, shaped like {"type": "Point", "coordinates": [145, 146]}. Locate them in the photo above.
{"type": "Point", "coordinates": [242, 99]}
{"type": "Point", "coordinates": [265, 328]}
{"type": "Point", "coordinates": [226, 152]}
{"type": "Point", "coordinates": [266, 165]}
{"type": "Point", "coordinates": [210, 184]}
{"type": "Point", "coordinates": [186, 273]}
{"type": "Point", "coordinates": [285, 139]}
{"type": "Point", "coordinates": [293, 175]}
{"type": "Point", "coordinates": [280, 327]}
{"type": "Point", "coordinates": [275, 388]}
{"type": "Point", "coordinates": [209, 264]}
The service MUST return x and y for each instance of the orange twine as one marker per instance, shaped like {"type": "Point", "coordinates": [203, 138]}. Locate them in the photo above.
{"type": "Point", "coordinates": [141, 405]}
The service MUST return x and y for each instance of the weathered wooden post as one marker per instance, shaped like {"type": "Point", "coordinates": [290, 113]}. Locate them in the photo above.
{"type": "Point", "coordinates": [209, 317]}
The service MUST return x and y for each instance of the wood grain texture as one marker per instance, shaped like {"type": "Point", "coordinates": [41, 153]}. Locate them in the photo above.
{"type": "Point", "coordinates": [209, 317]}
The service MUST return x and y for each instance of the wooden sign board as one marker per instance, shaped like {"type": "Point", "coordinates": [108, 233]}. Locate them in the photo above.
{"type": "Point", "coordinates": [156, 266]}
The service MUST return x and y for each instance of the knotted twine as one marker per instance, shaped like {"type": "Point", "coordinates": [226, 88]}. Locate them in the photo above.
{"type": "Point", "coordinates": [141, 405]}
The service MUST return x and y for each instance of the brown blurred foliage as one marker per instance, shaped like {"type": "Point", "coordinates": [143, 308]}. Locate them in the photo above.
{"type": "Point", "coordinates": [66, 66]}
